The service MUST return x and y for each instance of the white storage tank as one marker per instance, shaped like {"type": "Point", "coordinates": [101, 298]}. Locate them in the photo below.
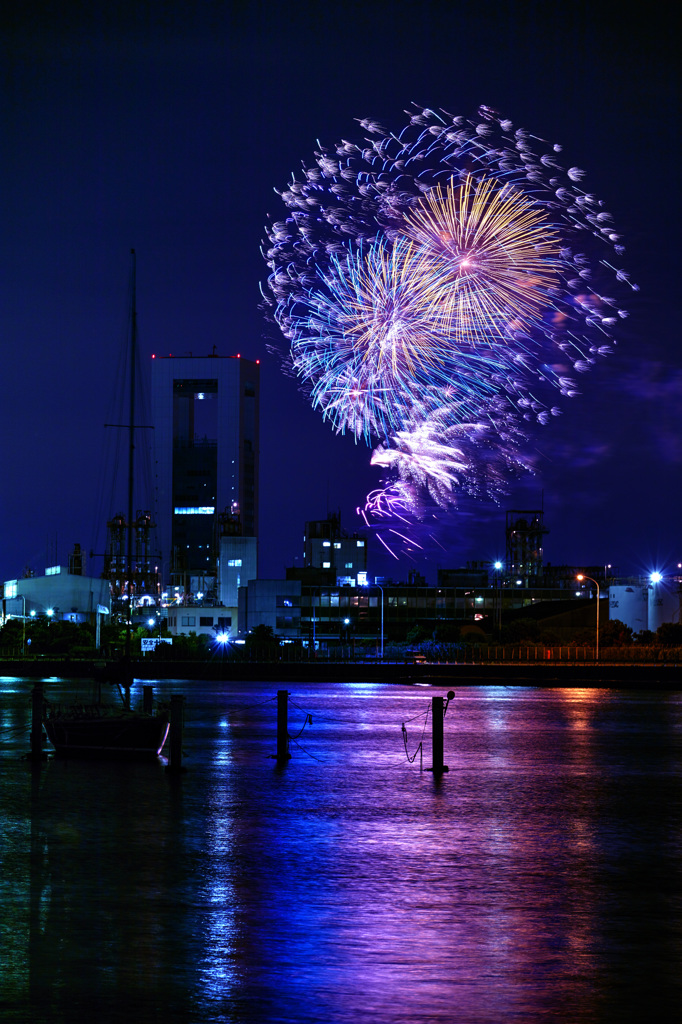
{"type": "Point", "coordinates": [664, 603]}
{"type": "Point", "coordinates": [630, 604]}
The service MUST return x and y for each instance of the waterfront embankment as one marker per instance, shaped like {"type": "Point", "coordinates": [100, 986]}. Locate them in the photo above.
{"type": "Point", "coordinates": [657, 675]}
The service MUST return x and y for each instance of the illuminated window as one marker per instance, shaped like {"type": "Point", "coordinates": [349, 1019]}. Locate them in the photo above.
{"type": "Point", "coordinates": [326, 565]}
{"type": "Point", "coordinates": [53, 570]}
{"type": "Point", "coordinates": [361, 543]}
{"type": "Point", "coordinates": [194, 510]}
{"type": "Point", "coordinates": [326, 544]}
{"type": "Point", "coordinates": [337, 544]}
{"type": "Point", "coordinates": [11, 588]}
{"type": "Point", "coordinates": [234, 562]}
{"type": "Point", "coordinates": [349, 565]}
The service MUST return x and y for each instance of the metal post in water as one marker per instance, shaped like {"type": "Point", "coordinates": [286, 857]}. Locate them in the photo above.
{"type": "Point", "coordinates": [437, 734]}
{"type": "Point", "coordinates": [147, 699]}
{"type": "Point", "coordinates": [282, 728]}
{"type": "Point", "coordinates": [177, 714]}
{"type": "Point", "coordinates": [37, 723]}
{"type": "Point", "coordinates": [438, 710]}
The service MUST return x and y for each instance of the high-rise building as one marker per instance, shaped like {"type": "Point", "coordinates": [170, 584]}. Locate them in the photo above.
{"type": "Point", "coordinates": [205, 417]}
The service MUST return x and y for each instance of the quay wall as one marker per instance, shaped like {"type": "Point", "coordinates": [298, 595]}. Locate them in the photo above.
{"type": "Point", "coordinates": [662, 675]}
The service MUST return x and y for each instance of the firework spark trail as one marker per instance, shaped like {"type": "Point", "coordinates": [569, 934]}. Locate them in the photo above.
{"type": "Point", "coordinates": [437, 287]}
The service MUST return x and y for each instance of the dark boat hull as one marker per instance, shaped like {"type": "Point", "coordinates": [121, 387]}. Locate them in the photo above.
{"type": "Point", "coordinates": [126, 735]}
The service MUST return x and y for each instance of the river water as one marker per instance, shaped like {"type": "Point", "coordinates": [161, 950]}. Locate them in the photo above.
{"type": "Point", "coordinates": [540, 879]}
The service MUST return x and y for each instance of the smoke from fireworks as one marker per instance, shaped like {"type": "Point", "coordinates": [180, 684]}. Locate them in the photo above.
{"type": "Point", "coordinates": [437, 288]}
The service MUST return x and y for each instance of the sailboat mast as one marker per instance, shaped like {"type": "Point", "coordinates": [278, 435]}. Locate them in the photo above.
{"type": "Point", "coordinates": [131, 431]}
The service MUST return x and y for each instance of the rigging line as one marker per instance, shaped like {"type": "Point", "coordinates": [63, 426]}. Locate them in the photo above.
{"type": "Point", "coordinates": [421, 713]}
{"type": "Point", "coordinates": [323, 718]}
{"type": "Point", "coordinates": [110, 464]}
{"type": "Point", "coordinates": [15, 730]}
{"type": "Point", "coordinates": [308, 721]}
{"type": "Point", "coordinates": [421, 741]}
{"type": "Point", "coordinates": [401, 763]}
{"type": "Point", "coordinates": [414, 756]}
{"type": "Point", "coordinates": [307, 752]}
{"type": "Point", "coordinates": [245, 707]}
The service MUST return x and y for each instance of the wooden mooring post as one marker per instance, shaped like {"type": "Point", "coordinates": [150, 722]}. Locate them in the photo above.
{"type": "Point", "coordinates": [282, 727]}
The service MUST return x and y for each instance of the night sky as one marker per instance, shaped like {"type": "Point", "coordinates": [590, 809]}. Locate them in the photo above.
{"type": "Point", "coordinates": [166, 127]}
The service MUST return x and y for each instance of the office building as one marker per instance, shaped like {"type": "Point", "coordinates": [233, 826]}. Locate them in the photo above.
{"type": "Point", "coordinates": [327, 546]}
{"type": "Point", "coordinates": [205, 417]}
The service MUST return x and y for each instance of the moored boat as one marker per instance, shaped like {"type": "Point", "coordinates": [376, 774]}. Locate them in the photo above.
{"type": "Point", "coordinates": [105, 731]}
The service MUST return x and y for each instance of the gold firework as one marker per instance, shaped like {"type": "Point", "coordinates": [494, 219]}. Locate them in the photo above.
{"type": "Point", "coordinates": [501, 255]}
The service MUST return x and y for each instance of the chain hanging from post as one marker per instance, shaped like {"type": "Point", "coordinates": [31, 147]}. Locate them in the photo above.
{"type": "Point", "coordinates": [420, 746]}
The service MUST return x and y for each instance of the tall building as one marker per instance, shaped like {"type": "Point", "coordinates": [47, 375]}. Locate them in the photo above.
{"type": "Point", "coordinates": [327, 546]}
{"type": "Point", "coordinates": [205, 417]}
{"type": "Point", "coordinates": [525, 530]}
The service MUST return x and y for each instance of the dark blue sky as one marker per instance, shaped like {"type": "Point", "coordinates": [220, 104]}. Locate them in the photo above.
{"type": "Point", "coordinates": [166, 127]}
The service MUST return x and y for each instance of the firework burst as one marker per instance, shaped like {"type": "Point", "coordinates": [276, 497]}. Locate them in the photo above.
{"type": "Point", "coordinates": [379, 335]}
{"type": "Point", "coordinates": [495, 254]}
{"type": "Point", "coordinates": [437, 288]}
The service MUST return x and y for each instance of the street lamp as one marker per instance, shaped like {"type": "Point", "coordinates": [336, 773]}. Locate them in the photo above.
{"type": "Point", "coordinates": [23, 627]}
{"type": "Point", "coordinates": [582, 577]}
{"type": "Point", "coordinates": [498, 566]}
{"type": "Point", "coordinates": [312, 597]}
{"type": "Point", "coordinates": [382, 619]}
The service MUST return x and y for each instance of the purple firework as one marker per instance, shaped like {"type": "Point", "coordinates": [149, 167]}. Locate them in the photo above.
{"type": "Point", "coordinates": [436, 287]}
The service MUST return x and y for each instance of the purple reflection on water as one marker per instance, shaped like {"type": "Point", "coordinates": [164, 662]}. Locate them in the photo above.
{"type": "Point", "coordinates": [538, 879]}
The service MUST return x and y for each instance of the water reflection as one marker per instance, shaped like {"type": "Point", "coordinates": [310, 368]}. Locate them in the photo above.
{"type": "Point", "coordinates": [538, 880]}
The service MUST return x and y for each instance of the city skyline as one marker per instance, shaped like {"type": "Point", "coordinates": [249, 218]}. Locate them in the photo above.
{"type": "Point", "coordinates": [170, 134]}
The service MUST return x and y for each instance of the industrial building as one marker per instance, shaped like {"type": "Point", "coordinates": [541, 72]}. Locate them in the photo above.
{"type": "Point", "coordinates": [210, 620]}
{"type": "Point", "coordinates": [524, 531]}
{"type": "Point", "coordinates": [205, 411]}
{"type": "Point", "coordinates": [328, 546]}
{"type": "Point", "coordinates": [321, 613]}
{"type": "Point", "coordinates": [61, 593]}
